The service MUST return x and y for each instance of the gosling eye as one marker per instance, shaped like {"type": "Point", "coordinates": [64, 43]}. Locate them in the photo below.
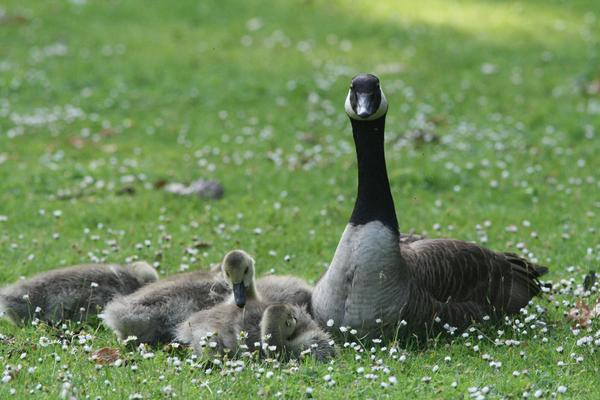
{"type": "Point", "coordinates": [227, 274]}
{"type": "Point", "coordinates": [246, 271]}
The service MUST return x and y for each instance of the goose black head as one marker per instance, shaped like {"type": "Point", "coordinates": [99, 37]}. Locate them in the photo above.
{"type": "Point", "coordinates": [238, 268]}
{"type": "Point", "coordinates": [365, 101]}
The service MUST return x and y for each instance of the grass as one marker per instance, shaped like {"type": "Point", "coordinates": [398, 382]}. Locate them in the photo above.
{"type": "Point", "coordinates": [100, 96]}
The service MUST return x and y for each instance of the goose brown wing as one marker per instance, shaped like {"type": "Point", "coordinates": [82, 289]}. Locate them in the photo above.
{"type": "Point", "coordinates": [467, 276]}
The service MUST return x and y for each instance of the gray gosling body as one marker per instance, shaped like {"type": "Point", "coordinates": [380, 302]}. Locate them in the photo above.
{"type": "Point", "coordinates": [153, 313]}
{"type": "Point", "coordinates": [280, 330]}
{"type": "Point", "coordinates": [71, 293]}
{"type": "Point", "coordinates": [287, 327]}
{"type": "Point", "coordinates": [292, 332]}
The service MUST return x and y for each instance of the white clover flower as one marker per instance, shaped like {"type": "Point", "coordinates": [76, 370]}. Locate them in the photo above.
{"type": "Point", "coordinates": [561, 389]}
{"type": "Point", "coordinates": [330, 323]}
{"type": "Point", "coordinates": [130, 339]}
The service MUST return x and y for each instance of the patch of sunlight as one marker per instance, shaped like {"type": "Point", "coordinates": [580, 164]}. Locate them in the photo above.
{"type": "Point", "coordinates": [502, 22]}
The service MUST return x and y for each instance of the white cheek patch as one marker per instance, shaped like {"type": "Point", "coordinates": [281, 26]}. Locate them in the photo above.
{"type": "Point", "coordinates": [383, 106]}
{"type": "Point", "coordinates": [348, 107]}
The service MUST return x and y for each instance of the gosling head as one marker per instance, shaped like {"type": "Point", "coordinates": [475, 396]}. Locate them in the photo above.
{"type": "Point", "coordinates": [278, 322]}
{"type": "Point", "coordinates": [238, 268]}
{"type": "Point", "coordinates": [365, 100]}
{"type": "Point", "coordinates": [144, 272]}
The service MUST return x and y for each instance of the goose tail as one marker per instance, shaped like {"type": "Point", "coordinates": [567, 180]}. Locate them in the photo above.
{"type": "Point", "coordinates": [526, 281]}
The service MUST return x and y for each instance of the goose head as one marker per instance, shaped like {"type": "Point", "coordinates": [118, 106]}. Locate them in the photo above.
{"type": "Point", "coordinates": [365, 100]}
{"type": "Point", "coordinates": [278, 323]}
{"type": "Point", "coordinates": [238, 269]}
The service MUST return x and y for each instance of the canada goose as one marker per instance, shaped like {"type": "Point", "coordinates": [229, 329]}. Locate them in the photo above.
{"type": "Point", "coordinates": [71, 293]}
{"type": "Point", "coordinates": [283, 328]}
{"type": "Point", "coordinates": [291, 330]}
{"type": "Point", "coordinates": [375, 281]}
{"type": "Point", "coordinates": [152, 313]}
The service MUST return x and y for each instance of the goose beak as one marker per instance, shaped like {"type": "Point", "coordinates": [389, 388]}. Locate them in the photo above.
{"type": "Point", "coordinates": [365, 105]}
{"type": "Point", "coordinates": [239, 294]}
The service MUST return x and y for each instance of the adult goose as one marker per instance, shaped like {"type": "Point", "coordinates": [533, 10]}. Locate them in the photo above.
{"type": "Point", "coordinates": [382, 286]}
{"type": "Point", "coordinates": [153, 313]}
{"type": "Point", "coordinates": [71, 293]}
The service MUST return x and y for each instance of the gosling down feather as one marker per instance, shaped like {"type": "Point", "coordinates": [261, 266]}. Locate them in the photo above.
{"type": "Point", "coordinates": [71, 293]}
{"type": "Point", "coordinates": [287, 327]}
{"type": "Point", "coordinates": [152, 313]}
{"type": "Point", "coordinates": [381, 285]}
{"type": "Point", "coordinates": [283, 330]}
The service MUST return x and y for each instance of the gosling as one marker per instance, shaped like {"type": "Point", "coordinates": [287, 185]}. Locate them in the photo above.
{"type": "Point", "coordinates": [283, 330]}
{"type": "Point", "coordinates": [73, 293]}
{"type": "Point", "coordinates": [153, 313]}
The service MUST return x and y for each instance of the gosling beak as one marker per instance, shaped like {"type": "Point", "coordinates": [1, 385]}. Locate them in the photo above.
{"type": "Point", "coordinates": [365, 105]}
{"type": "Point", "coordinates": [239, 294]}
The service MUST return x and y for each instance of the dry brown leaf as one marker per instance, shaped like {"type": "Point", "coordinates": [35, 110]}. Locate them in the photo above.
{"type": "Point", "coordinates": [593, 87]}
{"type": "Point", "coordinates": [580, 315]}
{"type": "Point", "coordinates": [106, 132]}
{"type": "Point", "coordinates": [106, 355]}
{"type": "Point", "coordinates": [77, 142]}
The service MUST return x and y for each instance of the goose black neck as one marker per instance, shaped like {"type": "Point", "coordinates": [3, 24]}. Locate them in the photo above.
{"type": "Point", "coordinates": [374, 200]}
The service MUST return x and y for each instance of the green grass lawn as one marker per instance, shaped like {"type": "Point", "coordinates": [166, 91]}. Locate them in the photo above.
{"type": "Point", "coordinates": [98, 98]}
